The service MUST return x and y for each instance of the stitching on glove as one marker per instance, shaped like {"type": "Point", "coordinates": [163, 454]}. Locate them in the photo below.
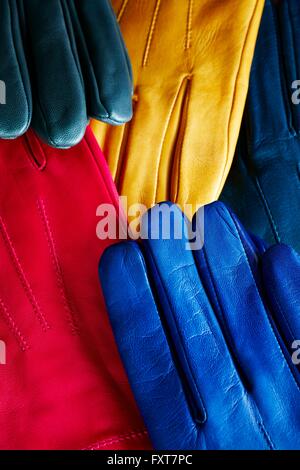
{"type": "Point", "coordinates": [122, 10]}
{"type": "Point", "coordinates": [267, 209]}
{"type": "Point", "coordinates": [114, 440]}
{"type": "Point", "coordinates": [151, 33]}
{"type": "Point", "coordinates": [188, 38]}
{"type": "Point", "coordinates": [22, 276]}
{"type": "Point", "coordinates": [12, 326]}
{"type": "Point", "coordinates": [71, 317]}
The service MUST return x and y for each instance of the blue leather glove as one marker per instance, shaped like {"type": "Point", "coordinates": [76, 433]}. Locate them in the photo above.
{"type": "Point", "coordinates": [206, 335]}
{"type": "Point", "coordinates": [263, 185]}
{"type": "Point", "coordinates": [62, 62]}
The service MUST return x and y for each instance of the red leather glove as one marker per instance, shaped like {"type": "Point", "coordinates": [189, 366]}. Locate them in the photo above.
{"type": "Point", "coordinates": [63, 385]}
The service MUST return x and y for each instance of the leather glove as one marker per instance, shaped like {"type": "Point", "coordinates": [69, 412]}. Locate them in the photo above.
{"type": "Point", "coordinates": [263, 185]}
{"type": "Point", "coordinates": [206, 335]}
{"type": "Point", "coordinates": [191, 61]}
{"type": "Point", "coordinates": [62, 62]}
{"type": "Point", "coordinates": [63, 385]}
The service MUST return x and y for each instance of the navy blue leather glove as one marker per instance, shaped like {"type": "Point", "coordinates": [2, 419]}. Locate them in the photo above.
{"type": "Point", "coordinates": [206, 335]}
{"type": "Point", "coordinates": [263, 187]}
{"type": "Point", "coordinates": [62, 62]}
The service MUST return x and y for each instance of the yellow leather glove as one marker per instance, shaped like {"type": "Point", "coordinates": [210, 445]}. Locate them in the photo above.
{"type": "Point", "coordinates": [191, 62]}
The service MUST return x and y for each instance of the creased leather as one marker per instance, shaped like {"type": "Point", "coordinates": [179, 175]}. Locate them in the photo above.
{"type": "Point", "coordinates": [63, 385]}
{"type": "Point", "coordinates": [206, 335]}
{"type": "Point", "coordinates": [263, 186]}
{"type": "Point", "coordinates": [62, 62]}
{"type": "Point", "coordinates": [191, 63]}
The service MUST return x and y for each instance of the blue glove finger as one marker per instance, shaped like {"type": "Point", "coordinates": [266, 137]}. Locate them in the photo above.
{"type": "Point", "coordinates": [59, 114]}
{"type": "Point", "coordinates": [228, 267]}
{"type": "Point", "coordinates": [203, 359]}
{"type": "Point", "coordinates": [281, 273]}
{"type": "Point", "coordinates": [144, 348]}
{"type": "Point", "coordinates": [104, 61]}
{"type": "Point", "coordinates": [16, 100]}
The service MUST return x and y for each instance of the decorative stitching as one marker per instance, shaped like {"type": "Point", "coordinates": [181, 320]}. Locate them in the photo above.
{"type": "Point", "coordinates": [22, 276]}
{"type": "Point", "coordinates": [151, 33]}
{"type": "Point", "coordinates": [122, 437]}
{"type": "Point", "coordinates": [188, 37]}
{"type": "Point", "coordinates": [57, 268]}
{"type": "Point", "coordinates": [122, 10]}
{"type": "Point", "coordinates": [268, 210]}
{"type": "Point", "coordinates": [13, 327]}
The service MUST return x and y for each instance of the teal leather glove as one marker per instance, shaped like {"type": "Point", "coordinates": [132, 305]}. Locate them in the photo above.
{"type": "Point", "coordinates": [62, 61]}
{"type": "Point", "coordinates": [263, 186]}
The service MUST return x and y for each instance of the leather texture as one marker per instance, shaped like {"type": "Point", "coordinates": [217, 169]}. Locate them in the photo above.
{"type": "Point", "coordinates": [206, 335]}
{"type": "Point", "coordinates": [62, 62]}
{"type": "Point", "coordinates": [191, 63]}
{"type": "Point", "coordinates": [263, 186]}
{"type": "Point", "coordinates": [63, 385]}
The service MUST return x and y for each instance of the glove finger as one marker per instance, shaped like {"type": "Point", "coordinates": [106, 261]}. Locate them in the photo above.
{"type": "Point", "coordinates": [104, 61]}
{"type": "Point", "coordinates": [281, 273]}
{"type": "Point", "coordinates": [59, 114]}
{"type": "Point", "coordinates": [289, 32]}
{"type": "Point", "coordinates": [229, 264]}
{"type": "Point", "coordinates": [202, 355]}
{"type": "Point", "coordinates": [16, 102]}
{"type": "Point", "coordinates": [268, 98]}
{"type": "Point", "coordinates": [143, 347]}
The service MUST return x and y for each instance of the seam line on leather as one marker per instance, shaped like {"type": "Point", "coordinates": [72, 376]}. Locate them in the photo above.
{"type": "Point", "coordinates": [22, 276]}
{"type": "Point", "coordinates": [57, 267]}
{"type": "Point", "coordinates": [122, 10]}
{"type": "Point", "coordinates": [119, 438]}
{"type": "Point", "coordinates": [7, 317]}
{"type": "Point", "coordinates": [267, 210]}
{"type": "Point", "coordinates": [151, 33]}
{"type": "Point", "coordinates": [188, 37]}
